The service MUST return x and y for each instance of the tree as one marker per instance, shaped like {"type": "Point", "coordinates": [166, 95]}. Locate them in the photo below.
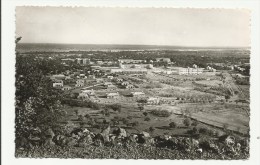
{"type": "Point", "coordinates": [140, 107]}
{"type": "Point", "coordinates": [173, 125]}
{"type": "Point", "coordinates": [136, 123]}
{"type": "Point", "coordinates": [195, 123]}
{"type": "Point", "coordinates": [151, 129]}
{"type": "Point", "coordinates": [187, 122]}
{"type": "Point", "coordinates": [116, 107]}
{"type": "Point", "coordinates": [227, 97]}
{"type": "Point", "coordinates": [147, 119]}
{"type": "Point", "coordinates": [145, 113]}
{"type": "Point", "coordinates": [38, 105]}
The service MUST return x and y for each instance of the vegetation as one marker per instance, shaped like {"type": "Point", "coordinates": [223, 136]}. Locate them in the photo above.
{"type": "Point", "coordinates": [161, 113]}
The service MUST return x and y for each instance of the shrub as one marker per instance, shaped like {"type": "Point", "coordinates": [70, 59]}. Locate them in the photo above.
{"type": "Point", "coordinates": [195, 123]}
{"type": "Point", "coordinates": [87, 116]}
{"type": "Point", "coordinates": [147, 119]}
{"type": "Point", "coordinates": [173, 125]}
{"type": "Point", "coordinates": [145, 113]}
{"type": "Point", "coordinates": [80, 118]}
{"type": "Point", "coordinates": [161, 113]}
{"type": "Point", "coordinates": [187, 122]}
{"type": "Point", "coordinates": [116, 107]}
{"type": "Point", "coordinates": [136, 123]}
{"type": "Point", "coordinates": [151, 129]}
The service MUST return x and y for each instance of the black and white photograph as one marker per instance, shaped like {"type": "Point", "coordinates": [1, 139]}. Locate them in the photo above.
{"type": "Point", "coordinates": [132, 83]}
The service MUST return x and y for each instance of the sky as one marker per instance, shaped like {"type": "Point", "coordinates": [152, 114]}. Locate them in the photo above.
{"type": "Point", "coordinates": [137, 26]}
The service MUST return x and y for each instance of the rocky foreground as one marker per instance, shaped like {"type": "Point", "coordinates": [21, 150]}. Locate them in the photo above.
{"type": "Point", "coordinates": [118, 144]}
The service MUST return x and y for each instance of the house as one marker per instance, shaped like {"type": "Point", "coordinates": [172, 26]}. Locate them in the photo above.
{"type": "Point", "coordinates": [110, 77]}
{"type": "Point", "coordinates": [112, 95]}
{"type": "Point", "coordinates": [66, 88]}
{"type": "Point", "coordinates": [99, 80]}
{"type": "Point", "coordinates": [137, 94]}
{"type": "Point", "coordinates": [82, 75]}
{"type": "Point", "coordinates": [57, 85]}
{"type": "Point", "coordinates": [58, 77]}
{"type": "Point", "coordinates": [80, 83]}
{"type": "Point", "coordinates": [107, 83]}
{"type": "Point", "coordinates": [153, 100]}
{"type": "Point", "coordinates": [125, 83]}
{"type": "Point", "coordinates": [88, 92]}
{"type": "Point", "coordinates": [163, 59]}
{"type": "Point", "coordinates": [110, 86]}
{"type": "Point", "coordinates": [130, 86]}
{"type": "Point", "coordinates": [91, 76]}
{"type": "Point", "coordinates": [119, 80]}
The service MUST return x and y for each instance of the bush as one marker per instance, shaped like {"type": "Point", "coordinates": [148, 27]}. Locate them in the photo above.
{"type": "Point", "coordinates": [136, 123]}
{"type": "Point", "coordinates": [206, 131]}
{"type": "Point", "coordinates": [187, 122]}
{"type": "Point", "coordinates": [87, 116]}
{"type": "Point", "coordinates": [195, 123]}
{"type": "Point", "coordinates": [151, 129]}
{"type": "Point", "coordinates": [173, 125]}
{"type": "Point", "coordinates": [161, 113]}
{"type": "Point", "coordinates": [145, 113]}
{"type": "Point", "coordinates": [147, 119]}
{"type": "Point", "coordinates": [116, 107]}
{"type": "Point", "coordinates": [80, 118]}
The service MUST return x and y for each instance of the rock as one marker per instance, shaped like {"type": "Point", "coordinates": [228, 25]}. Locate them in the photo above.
{"type": "Point", "coordinates": [49, 142]}
{"type": "Point", "coordinates": [121, 133]}
{"type": "Point", "coordinates": [49, 133]}
{"type": "Point", "coordinates": [106, 131]}
{"type": "Point", "coordinates": [230, 141]}
{"type": "Point", "coordinates": [145, 134]}
{"type": "Point", "coordinates": [85, 141]}
{"type": "Point", "coordinates": [86, 131]}
{"type": "Point", "coordinates": [71, 141]}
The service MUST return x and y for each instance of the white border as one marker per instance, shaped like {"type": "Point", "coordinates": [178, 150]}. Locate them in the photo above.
{"type": "Point", "coordinates": [8, 72]}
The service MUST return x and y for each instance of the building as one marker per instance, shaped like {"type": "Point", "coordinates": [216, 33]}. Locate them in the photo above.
{"type": "Point", "coordinates": [66, 88]}
{"type": "Point", "coordinates": [130, 86]}
{"type": "Point", "coordinates": [89, 92]}
{"type": "Point", "coordinates": [99, 80]}
{"type": "Point", "coordinates": [153, 101]}
{"type": "Point", "coordinates": [57, 85]}
{"type": "Point", "coordinates": [130, 61]}
{"type": "Point", "coordinates": [107, 83]}
{"type": "Point", "coordinates": [125, 83]}
{"type": "Point", "coordinates": [58, 77]}
{"type": "Point", "coordinates": [119, 80]}
{"type": "Point", "coordinates": [137, 94]}
{"type": "Point", "coordinates": [80, 83]}
{"type": "Point", "coordinates": [82, 75]}
{"type": "Point", "coordinates": [85, 61]}
{"type": "Point", "coordinates": [168, 60]}
{"type": "Point", "coordinates": [188, 71]}
{"type": "Point", "coordinates": [79, 60]}
{"type": "Point", "coordinates": [112, 95]}
{"type": "Point", "coordinates": [129, 71]}
{"type": "Point", "coordinates": [110, 77]}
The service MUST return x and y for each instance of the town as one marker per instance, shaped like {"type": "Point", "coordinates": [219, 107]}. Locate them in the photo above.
{"type": "Point", "coordinates": [154, 94]}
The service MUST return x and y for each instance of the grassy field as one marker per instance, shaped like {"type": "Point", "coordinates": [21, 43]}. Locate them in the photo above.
{"type": "Point", "coordinates": [213, 115]}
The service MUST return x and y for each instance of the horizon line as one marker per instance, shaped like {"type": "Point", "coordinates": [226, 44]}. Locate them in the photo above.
{"type": "Point", "coordinates": [137, 45]}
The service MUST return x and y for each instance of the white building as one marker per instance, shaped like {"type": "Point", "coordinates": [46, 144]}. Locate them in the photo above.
{"type": "Point", "coordinates": [112, 95]}
{"type": "Point", "coordinates": [153, 101]}
{"type": "Point", "coordinates": [137, 94]}
{"type": "Point", "coordinates": [57, 85]}
{"type": "Point", "coordinates": [66, 88]}
{"type": "Point", "coordinates": [80, 83]}
{"type": "Point", "coordinates": [188, 71]}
